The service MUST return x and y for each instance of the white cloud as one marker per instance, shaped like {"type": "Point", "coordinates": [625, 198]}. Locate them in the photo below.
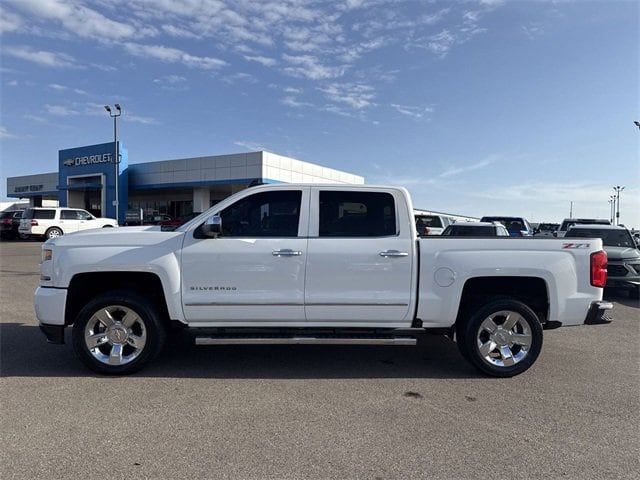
{"type": "Point", "coordinates": [61, 110]}
{"type": "Point", "coordinates": [10, 22]}
{"type": "Point", "coordinates": [356, 96]}
{"type": "Point", "coordinates": [63, 88]}
{"type": "Point", "coordinates": [173, 55]}
{"type": "Point", "coordinates": [78, 19]}
{"type": "Point", "coordinates": [5, 134]}
{"type": "Point", "coordinates": [41, 57]}
{"type": "Point", "coordinates": [441, 42]}
{"type": "Point", "coordinates": [412, 111]}
{"type": "Point", "coordinates": [12, 83]}
{"type": "Point", "coordinates": [308, 66]}
{"type": "Point", "coordinates": [140, 119]}
{"type": "Point", "coordinates": [239, 77]}
{"type": "Point", "coordinates": [455, 171]}
{"type": "Point", "coordinates": [170, 79]}
{"type": "Point", "coordinates": [266, 61]}
{"type": "Point", "coordinates": [179, 32]}
{"type": "Point", "coordinates": [292, 101]}
{"type": "Point", "coordinates": [249, 145]}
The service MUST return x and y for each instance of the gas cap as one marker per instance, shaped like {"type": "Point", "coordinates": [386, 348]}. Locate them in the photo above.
{"type": "Point", "coordinates": [444, 277]}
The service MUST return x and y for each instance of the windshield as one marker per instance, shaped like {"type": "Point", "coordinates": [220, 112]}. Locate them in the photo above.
{"type": "Point", "coordinates": [430, 221]}
{"type": "Point", "coordinates": [469, 231]}
{"type": "Point", "coordinates": [548, 226]}
{"type": "Point", "coordinates": [610, 237]}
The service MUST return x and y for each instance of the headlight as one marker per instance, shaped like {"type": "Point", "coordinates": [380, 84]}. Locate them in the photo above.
{"type": "Point", "coordinates": [47, 254]}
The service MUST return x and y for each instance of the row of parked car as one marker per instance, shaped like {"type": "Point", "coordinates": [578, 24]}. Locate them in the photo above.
{"type": "Point", "coordinates": [621, 245]}
{"type": "Point", "coordinates": [51, 222]}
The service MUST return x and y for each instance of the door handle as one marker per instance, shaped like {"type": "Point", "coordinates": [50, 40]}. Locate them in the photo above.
{"type": "Point", "coordinates": [393, 253]}
{"type": "Point", "coordinates": [286, 252]}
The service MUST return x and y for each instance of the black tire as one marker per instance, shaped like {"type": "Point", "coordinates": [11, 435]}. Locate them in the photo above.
{"type": "Point", "coordinates": [146, 312]}
{"type": "Point", "coordinates": [469, 331]}
{"type": "Point", "coordinates": [107, 226]}
{"type": "Point", "coordinates": [53, 232]}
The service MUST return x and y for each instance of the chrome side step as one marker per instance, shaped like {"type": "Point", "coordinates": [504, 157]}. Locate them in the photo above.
{"type": "Point", "coordinates": [304, 341]}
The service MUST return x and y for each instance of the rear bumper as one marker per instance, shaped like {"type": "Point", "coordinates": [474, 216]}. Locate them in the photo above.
{"type": "Point", "coordinates": [599, 313]}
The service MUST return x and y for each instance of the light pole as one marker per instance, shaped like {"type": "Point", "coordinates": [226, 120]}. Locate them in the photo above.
{"type": "Point", "coordinates": [618, 189]}
{"type": "Point", "coordinates": [610, 201]}
{"type": "Point", "coordinates": [117, 159]}
{"type": "Point", "coordinates": [612, 209]}
{"type": "Point", "coordinates": [636, 123]}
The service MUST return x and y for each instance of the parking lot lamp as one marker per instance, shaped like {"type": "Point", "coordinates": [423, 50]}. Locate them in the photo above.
{"type": "Point", "coordinates": [636, 123]}
{"type": "Point", "coordinates": [612, 209]}
{"type": "Point", "coordinates": [618, 189]}
{"type": "Point", "coordinates": [115, 116]}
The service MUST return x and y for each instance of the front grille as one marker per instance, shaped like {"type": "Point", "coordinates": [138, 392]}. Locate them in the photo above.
{"type": "Point", "coordinates": [636, 267]}
{"type": "Point", "coordinates": [616, 271]}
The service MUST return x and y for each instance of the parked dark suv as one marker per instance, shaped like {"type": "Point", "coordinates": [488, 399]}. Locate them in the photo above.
{"type": "Point", "coordinates": [9, 223]}
{"type": "Point", "coordinates": [623, 269]}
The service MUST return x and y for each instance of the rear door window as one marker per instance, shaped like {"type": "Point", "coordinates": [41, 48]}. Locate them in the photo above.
{"type": "Point", "coordinates": [357, 214]}
{"type": "Point", "coordinates": [68, 215]}
{"type": "Point", "coordinates": [42, 214]}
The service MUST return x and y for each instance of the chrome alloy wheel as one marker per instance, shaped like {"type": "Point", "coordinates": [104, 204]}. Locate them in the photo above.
{"type": "Point", "coordinates": [115, 335]}
{"type": "Point", "coordinates": [504, 338]}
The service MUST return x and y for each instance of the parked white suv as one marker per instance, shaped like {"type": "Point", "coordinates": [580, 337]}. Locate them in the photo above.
{"type": "Point", "coordinates": [53, 222]}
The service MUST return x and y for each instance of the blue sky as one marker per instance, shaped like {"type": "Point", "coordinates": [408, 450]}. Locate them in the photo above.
{"type": "Point", "coordinates": [478, 107]}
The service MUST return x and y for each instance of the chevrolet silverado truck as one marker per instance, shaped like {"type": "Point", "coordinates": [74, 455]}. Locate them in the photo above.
{"type": "Point", "coordinates": [314, 264]}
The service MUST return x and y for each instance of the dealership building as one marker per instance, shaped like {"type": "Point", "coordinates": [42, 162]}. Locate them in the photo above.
{"type": "Point", "coordinates": [86, 178]}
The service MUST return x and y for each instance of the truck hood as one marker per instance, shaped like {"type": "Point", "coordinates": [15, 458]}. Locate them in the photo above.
{"type": "Point", "coordinates": [618, 253]}
{"type": "Point", "coordinates": [116, 237]}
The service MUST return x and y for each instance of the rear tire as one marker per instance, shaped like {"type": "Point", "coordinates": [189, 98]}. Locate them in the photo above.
{"type": "Point", "coordinates": [53, 232]}
{"type": "Point", "coordinates": [118, 332]}
{"type": "Point", "coordinates": [502, 339]}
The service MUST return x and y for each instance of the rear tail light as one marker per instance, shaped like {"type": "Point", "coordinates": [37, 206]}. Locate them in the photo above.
{"type": "Point", "coordinates": [6, 221]}
{"type": "Point", "coordinates": [599, 269]}
{"type": "Point", "coordinates": [34, 223]}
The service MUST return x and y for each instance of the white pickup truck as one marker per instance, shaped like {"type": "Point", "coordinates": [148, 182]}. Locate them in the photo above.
{"type": "Point", "coordinates": [314, 264]}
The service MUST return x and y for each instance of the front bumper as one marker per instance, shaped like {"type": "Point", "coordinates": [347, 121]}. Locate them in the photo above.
{"type": "Point", "coordinates": [50, 304]}
{"type": "Point", "coordinates": [599, 313]}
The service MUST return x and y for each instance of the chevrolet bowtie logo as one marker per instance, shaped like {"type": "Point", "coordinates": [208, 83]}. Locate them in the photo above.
{"type": "Point", "coordinates": [69, 162]}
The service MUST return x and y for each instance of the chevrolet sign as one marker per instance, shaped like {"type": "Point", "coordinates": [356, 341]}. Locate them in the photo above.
{"type": "Point", "coordinates": [87, 160]}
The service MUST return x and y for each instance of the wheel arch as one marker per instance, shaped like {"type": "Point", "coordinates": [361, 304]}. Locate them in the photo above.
{"type": "Point", "coordinates": [531, 290]}
{"type": "Point", "coordinates": [85, 286]}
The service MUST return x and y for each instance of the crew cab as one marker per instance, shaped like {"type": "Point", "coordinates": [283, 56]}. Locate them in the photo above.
{"type": "Point", "coordinates": [314, 264]}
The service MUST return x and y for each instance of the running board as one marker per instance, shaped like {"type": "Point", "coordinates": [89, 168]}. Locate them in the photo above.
{"type": "Point", "coordinates": [304, 341]}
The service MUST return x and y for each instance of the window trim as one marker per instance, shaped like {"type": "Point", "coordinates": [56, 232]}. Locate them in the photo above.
{"type": "Point", "coordinates": [314, 215]}
{"type": "Point", "coordinates": [303, 219]}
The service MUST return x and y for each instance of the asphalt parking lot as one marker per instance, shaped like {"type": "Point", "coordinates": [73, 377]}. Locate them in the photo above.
{"type": "Point", "coordinates": [315, 412]}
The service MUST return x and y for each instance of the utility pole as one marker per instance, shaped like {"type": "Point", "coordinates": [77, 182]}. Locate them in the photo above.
{"type": "Point", "coordinates": [618, 189]}
{"type": "Point", "coordinates": [571, 210]}
{"type": "Point", "coordinates": [117, 152]}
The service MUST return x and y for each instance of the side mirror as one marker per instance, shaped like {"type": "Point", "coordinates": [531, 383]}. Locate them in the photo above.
{"type": "Point", "coordinates": [212, 227]}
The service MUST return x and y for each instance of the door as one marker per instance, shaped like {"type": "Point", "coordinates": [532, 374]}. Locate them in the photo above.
{"type": "Point", "coordinates": [69, 221]}
{"type": "Point", "coordinates": [360, 262]}
{"type": "Point", "coordinates": [86, 221]}
{"type": "Point", "coordinates": [253, 273]}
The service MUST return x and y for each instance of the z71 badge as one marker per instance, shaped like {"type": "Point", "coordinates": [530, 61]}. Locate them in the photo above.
{"type": "Point", "coordinates": [575, 245]}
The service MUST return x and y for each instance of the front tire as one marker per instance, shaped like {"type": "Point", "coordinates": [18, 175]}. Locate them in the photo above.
{"type": "Point", "coordinates": [502, 339]}
{"type": "Point", "coordinates": [117, 333]}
